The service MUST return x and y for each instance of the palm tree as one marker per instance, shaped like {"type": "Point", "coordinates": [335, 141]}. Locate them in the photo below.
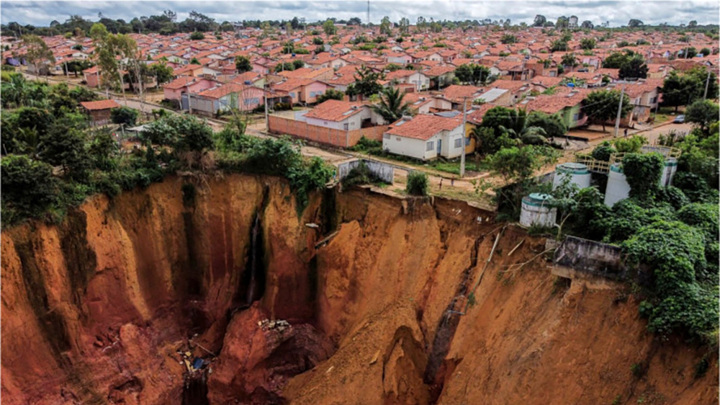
{"type": "Point", "coordinates": [391, 106]}
{"type": "Point", "coordinates": [529, 135]}
{"type": "Point", "coordinates": [15, 91]}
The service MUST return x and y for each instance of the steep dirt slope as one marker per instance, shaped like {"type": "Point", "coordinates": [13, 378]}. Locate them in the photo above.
{"type": "Point", "coordinates": [390, 292]}
{"type": "Point", "coordinates": [94, 309]}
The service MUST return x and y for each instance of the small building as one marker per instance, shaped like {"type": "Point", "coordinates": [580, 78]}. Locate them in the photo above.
{"type": "Point", "coordinates": [92, 76]}
{"type": "Point", "coordinates": [99, 111]}
{"type": "Point", "coordinates": [343, 115]}
{"type": "Point", "coordinates": [425, 137]}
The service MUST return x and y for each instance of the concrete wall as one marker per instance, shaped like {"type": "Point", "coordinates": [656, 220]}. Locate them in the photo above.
{"type": "Point", "coordinates": [590, 257]}
{"type": "Point", "coordinates": [383, 170]}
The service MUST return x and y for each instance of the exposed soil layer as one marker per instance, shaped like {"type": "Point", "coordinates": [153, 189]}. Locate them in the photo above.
{"type": "Point", "coordinates": [102, 308]}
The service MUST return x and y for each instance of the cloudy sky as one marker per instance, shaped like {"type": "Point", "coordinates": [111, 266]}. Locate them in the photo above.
{"type": "Point", "coordinates": [618, 13]}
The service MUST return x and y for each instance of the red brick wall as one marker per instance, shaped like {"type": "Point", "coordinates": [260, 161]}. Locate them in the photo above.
{"type": "Point", "coordinates": [328, 136]}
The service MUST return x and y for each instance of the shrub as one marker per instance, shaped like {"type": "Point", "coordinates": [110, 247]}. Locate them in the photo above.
{"type": "Point", "coordinates": [123, 115]}
{"type": "Point", "coordinates": [643, 172]}
{"type": "Point", "coordinates": [417, 183]}
{"type": "Point", "coordinates": [360, 175]}
{"type": "Point", "coordinates": [603, 151]}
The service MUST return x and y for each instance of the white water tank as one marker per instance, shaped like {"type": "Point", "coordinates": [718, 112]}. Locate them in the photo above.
{"type": "Point", "coordinates": [668, 171]}
{"type": "Point", "coordinates": [536, 210]}
{"type": "Point", "coordinates": [617, 186]}
{"type": "Point", "coordinates": [576, 173]}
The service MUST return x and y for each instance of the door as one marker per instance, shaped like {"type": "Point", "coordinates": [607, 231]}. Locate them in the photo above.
{"type": "Point", "coordinates": [439, 146]}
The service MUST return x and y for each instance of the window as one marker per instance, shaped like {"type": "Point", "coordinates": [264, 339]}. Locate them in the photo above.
{"type": "Point", "coordinates": [346, 126]}
{"type": "Point", "coordinates": [292, 95]}
{"type": "Point", "coordinates": [458, 143]}
{"type": "Point", "coordinates": [576, 117]}
{"type": "Point", "coordinates": [250, 101]}
{"type": "Point", "coordinates": [430, 146]}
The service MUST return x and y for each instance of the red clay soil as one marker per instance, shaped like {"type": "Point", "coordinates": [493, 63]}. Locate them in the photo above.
{"type": "Point", "coordinates": [95, 309]}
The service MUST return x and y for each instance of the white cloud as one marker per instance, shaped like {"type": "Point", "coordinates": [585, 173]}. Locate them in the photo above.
{"type": "Point", "coordinates": [618, 13]}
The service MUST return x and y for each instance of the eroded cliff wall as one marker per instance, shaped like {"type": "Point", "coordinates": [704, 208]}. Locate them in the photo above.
{"type": "Point", "coordinates": [94, 309]}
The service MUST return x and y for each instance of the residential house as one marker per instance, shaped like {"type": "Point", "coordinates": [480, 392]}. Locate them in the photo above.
{"type": "Point", "coordinates": [567, 102]}
{"type": "Point", "coordinates": [457, 93]}
{"type": "Point", "coordinates": [303, 91]}
{"type": "Point", "coordinates": [425, 104]}
{"type": "Point", "coordinates": [342, 115]}
{"type": "Point", "coordinates": [518, 89]}
{"type": "Point", "coordinates": [644, 97]}
{"type": "Point", "coordinates": [496, 97]}
{"type": "Point", "coordinates": [186, 84]}
{"type": "Point", "coordinates": [99, 111]}
{"type": "Point", "coordinates": [419, 79]}
{"type": "Point", "coordinates": [440, 76]}
{"type": "Point", "coordinates": [425, 137]}
{"type": "Point", "coordinates": [224, 97]}
{"type": "Point", "coordinates": [398, 58]}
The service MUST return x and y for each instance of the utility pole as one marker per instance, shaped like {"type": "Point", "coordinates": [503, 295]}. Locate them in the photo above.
{"type": "Point", "coordinates": [267, 122]}
{"type": "Point", "coordinates": [368, 13]}
{"type": "Point", "coordinates": [462, 155]}
{"type": "Point", "coordinates": [707, 84]}
{"type": "Point", "coordinates": [617, 120]}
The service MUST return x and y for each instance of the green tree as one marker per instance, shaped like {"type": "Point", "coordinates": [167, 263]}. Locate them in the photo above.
{"type": "Point", "coordinates": [643, 172]}
{"type": "Point", "coordinates": [518, 164]}
{"type": "Point", "coordinates": [196, 36]}
{"type": "Point", "coordinates": [559, 46]}
{"type": "Point", "coordinates": [553, 125]}
{"type": "Point", "coordinates": [331, 94]}
{"type": "Point", "coordinates": [634, 23]}
{"type": "Point", "coordinates": [64, 146]}
{"type": "Point", "coordinates": [569, 60]}
{"type": "Point", "coordinates": [702, 113]}
{"type": "Point", "coordinates": [539, 21]}
{"type": "Point", "coordinates": [634, 68]}
{"type": "Point", "coordinates": [162, 72]}
{"type": "Point", "coordinates": [508, 39]}
{"type": "Point", "coordinates": [417, 183]}
{"type": "Point", "coordinates": [329, 27]}
{"type": "Point", "coordinates": [366, 82]}
{"type": "Point", "coordinates": [242, 64]}
{"type": "Point", "coordinates": [676, 302]}
{"type": "Point", "coordinates": [588, 43]}
{"type": "Point", "coordinates": [37, 52]}
{"type": "Point", "coordinates": [391, 106]}
{"type": "Point", "coordinates": [124, 115]}
{"type": "Point", "coordinates": [602, 105]}
{"type": "Point", "coordinates": [28, 188]}
{"type": "Point", "coordinates": [615, 60]}
{"type": "Point", "coordinates": [386, 26]}
{"type": "Point", "coordinates": [473, 73]}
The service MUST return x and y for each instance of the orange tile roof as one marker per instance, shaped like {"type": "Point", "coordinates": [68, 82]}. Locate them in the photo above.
{"type": "Point", "coordinates": [99, 105]}
{"type": "Point", "coordinates": [423, 126]}
{"type": "Point", "coordinates": [456, 92]}
{"type": "Point", "coordinates": [335, 110]}
{"type": "Point", "coordinates": [179, 83]}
